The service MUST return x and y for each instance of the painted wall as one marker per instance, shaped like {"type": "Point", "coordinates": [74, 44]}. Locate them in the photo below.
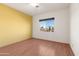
{"type": "Point", "coordinates": [61, 33]}
{"type": "Point", "coordinates": [14, 26]}
{"type": "Point", "coordinates": [74, 28]}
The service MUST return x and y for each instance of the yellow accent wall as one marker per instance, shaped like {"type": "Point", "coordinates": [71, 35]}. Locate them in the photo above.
{"type": "Point", "coordinates": [14, 26]}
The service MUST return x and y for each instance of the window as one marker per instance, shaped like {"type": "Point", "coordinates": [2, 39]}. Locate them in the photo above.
{"type": "Point", "coordinates": [47, 25]}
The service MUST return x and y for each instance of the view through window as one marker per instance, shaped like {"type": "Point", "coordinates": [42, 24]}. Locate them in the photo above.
{"type": "Point", "coordinates": [47, 25]}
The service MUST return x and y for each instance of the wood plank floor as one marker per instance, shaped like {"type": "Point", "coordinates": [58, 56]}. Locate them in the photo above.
{"type": "Point", "coordinates": [36, 47]}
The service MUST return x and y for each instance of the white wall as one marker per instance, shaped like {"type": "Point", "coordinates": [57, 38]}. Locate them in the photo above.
{"type": "Point", "coordinates": [61, 33]}
{"type": "Point", "coordinates": [74, 30]}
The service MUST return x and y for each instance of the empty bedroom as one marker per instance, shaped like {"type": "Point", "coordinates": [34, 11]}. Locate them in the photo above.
{"type": "Point", "coordinates": [39, 29]}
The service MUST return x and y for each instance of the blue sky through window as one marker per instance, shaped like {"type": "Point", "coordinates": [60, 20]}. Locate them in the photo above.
{"type": "Point", "coordinates": [47, 23]}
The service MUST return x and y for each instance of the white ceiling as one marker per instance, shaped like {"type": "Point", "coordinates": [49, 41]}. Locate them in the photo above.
{"type": "Point", "coordinates": [44, 7]}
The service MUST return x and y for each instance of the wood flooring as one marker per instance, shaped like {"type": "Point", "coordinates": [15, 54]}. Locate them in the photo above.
{"type": "Point", "coordinates": [36, 47]}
